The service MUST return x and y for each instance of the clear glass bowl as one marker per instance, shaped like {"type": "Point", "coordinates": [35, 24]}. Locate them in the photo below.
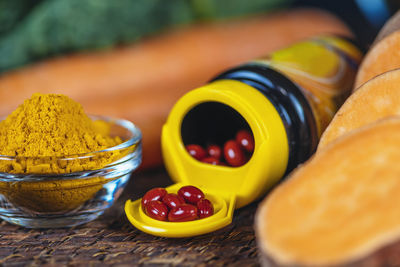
{"type": "Point", "coordinates": [69, 199]}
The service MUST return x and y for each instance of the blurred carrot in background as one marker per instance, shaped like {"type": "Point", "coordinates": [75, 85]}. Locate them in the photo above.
{"type": "Point", "coordinates": [141, 82]}
{"type": "Point", "coordinates": [36, 29]}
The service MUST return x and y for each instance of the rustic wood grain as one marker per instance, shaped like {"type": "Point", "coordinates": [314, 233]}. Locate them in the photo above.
{"type": "Point", "coordinates": [112, 240]}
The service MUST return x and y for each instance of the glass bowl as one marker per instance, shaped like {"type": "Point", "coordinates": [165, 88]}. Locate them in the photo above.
{"type": "Point", "coordinates": [77, 196]}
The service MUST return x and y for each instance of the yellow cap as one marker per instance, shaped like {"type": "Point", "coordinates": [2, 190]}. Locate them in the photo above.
{"type": "Point", "coordinates": [230, 187]}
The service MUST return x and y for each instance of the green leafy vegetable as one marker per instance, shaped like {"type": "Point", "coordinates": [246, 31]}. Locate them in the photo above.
{"type": "Point", "coordinates": [59, 26]}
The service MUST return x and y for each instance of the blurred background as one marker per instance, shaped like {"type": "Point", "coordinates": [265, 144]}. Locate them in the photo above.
{"type": "Point", "coordinates": [134, 59]}
{"type": "Point", "coordinates": [31, 30]}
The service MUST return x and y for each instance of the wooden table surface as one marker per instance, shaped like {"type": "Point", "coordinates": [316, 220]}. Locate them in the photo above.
{"type": "Point", "coordinates": [112, 240]}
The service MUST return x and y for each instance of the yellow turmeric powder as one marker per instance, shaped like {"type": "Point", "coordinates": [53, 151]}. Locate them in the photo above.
{"type": "Point", "coordinates": [39, 135]}
{"type": "Point", "coordinates": [53, 126]}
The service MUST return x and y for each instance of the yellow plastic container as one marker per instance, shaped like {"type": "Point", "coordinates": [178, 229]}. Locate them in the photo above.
{"type": "Point", "coordinates": [226, 187]}
{"type": "Point", "coordinates": [260, 97]}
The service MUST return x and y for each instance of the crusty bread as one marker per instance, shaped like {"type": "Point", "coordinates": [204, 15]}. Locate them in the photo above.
{"type": "Point", "coordinates": [376, 99]}
{"type": "Point", "coordinates": [340, 207]}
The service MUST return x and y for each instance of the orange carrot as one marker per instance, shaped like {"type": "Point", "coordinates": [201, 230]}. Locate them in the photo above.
{"type": "Point", "coordinates": [142, 81]}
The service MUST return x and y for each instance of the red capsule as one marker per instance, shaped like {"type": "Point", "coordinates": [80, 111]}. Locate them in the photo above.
{"type": "Point", "coordinates": [154, 194]}
{"type": "Point", "coordinates": [234, 155]}
{"type": "Point", "coordinates": [211, 160]}
{"type": "Point", "coordinates": [214, 151]}
{"type": "Point", "coordinates": [191, 194]}
{"type": "Point", "coordinates": [196, 151]}
{"type": "Point", "coordinates": [183, 213]}
{"type": "Point", "coordinates": [173, 200]}
{"type": "Point", "coordinates": [246, 140]}
{"type": "Point", "coordinates": [205, 208]}
{"type": "Point", "coordinates": [156, 210]}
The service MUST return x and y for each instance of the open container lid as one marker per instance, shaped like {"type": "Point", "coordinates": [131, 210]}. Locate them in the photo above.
{"type": "Point", "coordinates": [222, 217]}
{"type": "Point", "coordinates": [226, 187]}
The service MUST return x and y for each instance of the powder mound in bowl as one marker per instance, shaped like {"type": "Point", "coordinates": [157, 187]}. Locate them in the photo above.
{"type": "Point", "coordinates": [52, 126]}
{"type": "Point", "coordinates": [48, 134]}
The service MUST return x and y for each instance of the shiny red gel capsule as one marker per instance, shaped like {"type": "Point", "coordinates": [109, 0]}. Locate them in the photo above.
{"type": "Point", "coordinates": [156, 210]}
{"type": "Point", "coordinates": [211, 160]}
{"type": "Point", "coordinates": [191, 194]}
{"type": "Point", "coordinates": [196, 151]}
{"type": "Point", "coordinates": [154, 194]}
{"type": "Point", "coordinates": [214, 151]}
{"type": "Point", "coordinates": [233, 154]}
{"type": "Point", "coordinates": [173, 200]}
{"type": "Point", "coordinates": [183, 213]}
{"type": "Point", "coordinates": [246, 140]}
{"type": "Point", "coordinates": [205, 208]}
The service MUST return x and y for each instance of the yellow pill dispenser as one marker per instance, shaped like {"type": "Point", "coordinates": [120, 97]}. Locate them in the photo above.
{"type": "Point", "coordinates": [268, 99]}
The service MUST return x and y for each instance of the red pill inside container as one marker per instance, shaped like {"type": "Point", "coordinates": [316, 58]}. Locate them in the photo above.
{"type": "Point", "coordinates": [196, 151]}
{"type": "Point", "coordinates": [214, 151]}
{"type": "Point", "coordinates": [246, 140]}
{"type": "Point", "coordinates": [154, 194]}
{"type": "Point", "coordinates": [173, 200]}
{"type": "Point", "coordinates": [211, 160]}
{"type": "Point", "coordinates": [233, 153]}
{"type": "Point", "coordinates": [205, 208]}
{"type": "Point", "coordinates": [156, 210]}
{"type": "Point", "coordinates": [183, 213]}
{"type": "Point", "coordinates": [191, 194]}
